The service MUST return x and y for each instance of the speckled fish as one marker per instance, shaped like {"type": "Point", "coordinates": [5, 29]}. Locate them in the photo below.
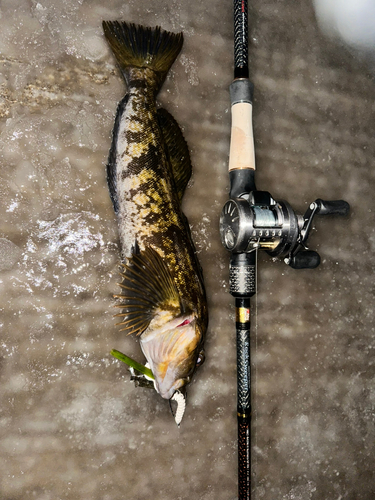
{"type": "Point", "coordinates": [163, 299]}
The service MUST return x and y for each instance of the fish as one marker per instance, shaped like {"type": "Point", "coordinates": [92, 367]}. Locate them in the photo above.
{"type": "Point", "coordinates": [163, 299]}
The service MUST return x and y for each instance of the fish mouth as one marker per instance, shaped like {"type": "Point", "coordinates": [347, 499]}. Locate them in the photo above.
{"type": "Point", "coordinates": [172, 352]}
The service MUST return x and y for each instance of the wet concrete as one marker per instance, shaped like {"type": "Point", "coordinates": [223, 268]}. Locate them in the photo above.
{"type": "Point", "coordinates": [72, 424]}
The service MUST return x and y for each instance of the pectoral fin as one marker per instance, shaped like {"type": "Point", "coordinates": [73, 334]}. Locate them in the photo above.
{"type": "Point", "coordinates": [148, 291]}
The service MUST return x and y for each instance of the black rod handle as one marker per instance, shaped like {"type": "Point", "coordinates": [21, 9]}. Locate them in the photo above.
{"type": "Point", "coordinates": [242, 275]}
{"type": "Point", "coordinates": [243, 396]}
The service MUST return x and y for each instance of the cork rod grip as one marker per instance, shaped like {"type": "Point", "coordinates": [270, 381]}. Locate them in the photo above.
{"type": "Point", "coordinates": [241, 153]}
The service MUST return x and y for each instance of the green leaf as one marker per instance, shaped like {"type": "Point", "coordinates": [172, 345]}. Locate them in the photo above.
{"type": "Point", "coordinates": [132, 363]}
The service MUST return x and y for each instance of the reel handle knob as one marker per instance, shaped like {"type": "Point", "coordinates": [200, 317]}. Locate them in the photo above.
{"type": "Point", "coordinates": [305, 259]}
{"type": "Point", "coordinates": [335, 207]}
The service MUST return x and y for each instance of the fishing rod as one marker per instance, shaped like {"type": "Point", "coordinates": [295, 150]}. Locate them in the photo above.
{"type": "Point", "coordinates": [252, 220]}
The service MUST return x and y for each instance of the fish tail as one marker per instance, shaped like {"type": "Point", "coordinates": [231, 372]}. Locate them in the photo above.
{"type": "Point", "coordinates": [136, 46]}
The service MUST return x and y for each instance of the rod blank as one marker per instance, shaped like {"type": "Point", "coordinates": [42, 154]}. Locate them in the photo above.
{"type": "Point", "coordinates": [241, 69]}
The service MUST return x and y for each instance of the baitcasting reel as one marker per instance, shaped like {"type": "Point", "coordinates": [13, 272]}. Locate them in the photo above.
{"type": "Point", "coordinates": [256, 221]}
{"type": "Point", "coordinates": [252, 219]}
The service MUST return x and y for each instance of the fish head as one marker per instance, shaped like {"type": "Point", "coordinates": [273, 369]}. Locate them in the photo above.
{"type": "Point", "coordinates": [173, 351]}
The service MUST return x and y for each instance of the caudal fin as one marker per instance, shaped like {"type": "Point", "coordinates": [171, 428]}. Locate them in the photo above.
{"type": "Point", "coordinates": [135, 46]}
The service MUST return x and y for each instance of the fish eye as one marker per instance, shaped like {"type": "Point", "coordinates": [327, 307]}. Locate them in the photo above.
{"type": "Point", "coordinates": [200, 359]}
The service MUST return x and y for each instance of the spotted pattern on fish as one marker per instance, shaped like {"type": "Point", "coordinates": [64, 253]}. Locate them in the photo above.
{"type": "Point", "coordinates": [149, 211]}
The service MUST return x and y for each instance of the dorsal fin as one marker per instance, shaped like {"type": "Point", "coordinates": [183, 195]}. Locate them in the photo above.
{"type": "Point", "coordinates": [177, 149]}
{"type": "Point", "coordinates": [148, 290]}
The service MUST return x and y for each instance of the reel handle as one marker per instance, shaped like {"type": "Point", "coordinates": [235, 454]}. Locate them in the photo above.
{"type": "Point", "coordinates": [305, 259]}
{"type": "Point", "coordinates": [335, 207]}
